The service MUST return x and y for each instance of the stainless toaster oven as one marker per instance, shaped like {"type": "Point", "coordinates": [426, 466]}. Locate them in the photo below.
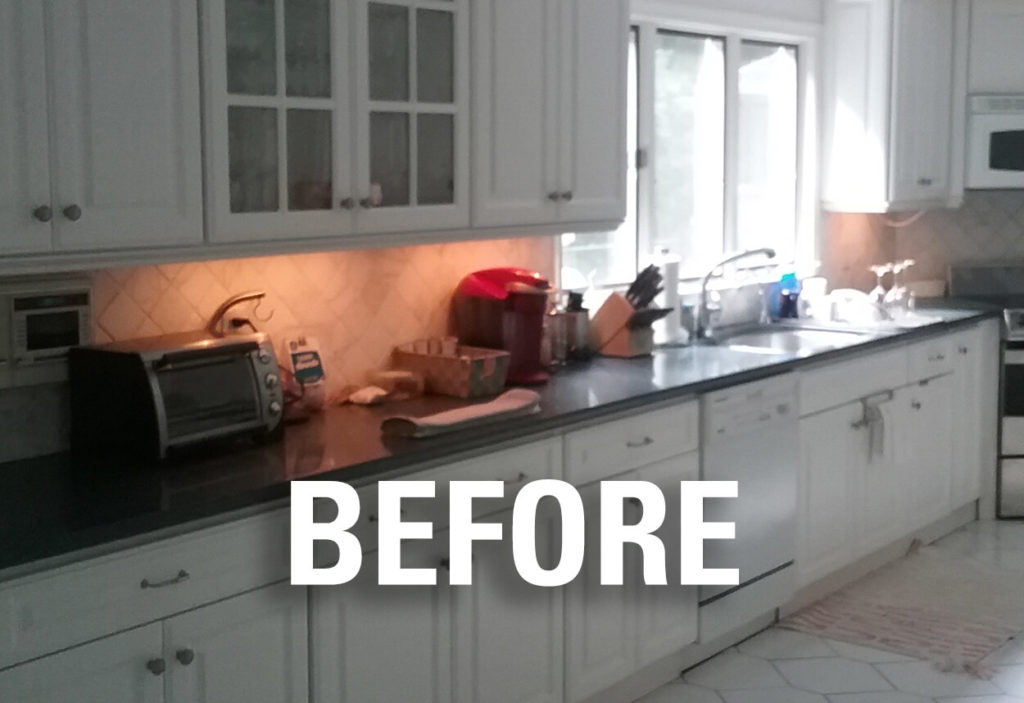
{"type": "Point", "coordinates": [144, 399]}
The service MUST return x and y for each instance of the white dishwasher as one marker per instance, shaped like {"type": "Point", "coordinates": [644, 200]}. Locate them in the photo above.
{"type": "Point", "coordinates": [750, 435]}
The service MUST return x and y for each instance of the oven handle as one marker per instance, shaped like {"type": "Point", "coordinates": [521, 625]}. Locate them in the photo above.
{"type": "Point", "coordinates": [191, 357]}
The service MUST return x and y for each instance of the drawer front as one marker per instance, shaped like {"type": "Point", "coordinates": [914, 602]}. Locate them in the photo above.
{"type": "Point", "coordinates": [845, 381]}
{"type": "Point", "coordinates": [931, 358]}
{"type": "Point", "coordinates": [43, 613]}
{"type": "Point", "coordinates": [622, 445]}
{"type": "Point", "coordinates": [515, 467]}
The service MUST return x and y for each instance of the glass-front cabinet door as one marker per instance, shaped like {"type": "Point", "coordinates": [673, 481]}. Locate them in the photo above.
{"type": "Point", "coordinates": [278, 119]}
{"type": "Point", "coordinates": [412, 115]}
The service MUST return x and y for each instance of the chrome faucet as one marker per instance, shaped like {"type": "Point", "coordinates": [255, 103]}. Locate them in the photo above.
{"type": "Point", "coordinates": [704, 312]}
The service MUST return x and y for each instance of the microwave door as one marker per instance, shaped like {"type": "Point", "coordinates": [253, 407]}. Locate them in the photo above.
{"type": "Point", "coordinates": [204, 395]}
{"type": "Point", "coordinates": [996, 151]}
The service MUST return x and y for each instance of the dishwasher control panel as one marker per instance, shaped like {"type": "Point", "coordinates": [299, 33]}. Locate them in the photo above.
{"type": "Point", "coordinates": [750, 407]}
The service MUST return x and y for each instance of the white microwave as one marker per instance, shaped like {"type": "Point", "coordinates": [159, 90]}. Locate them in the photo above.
{"type": "Point", "coordinates": [995, 149]}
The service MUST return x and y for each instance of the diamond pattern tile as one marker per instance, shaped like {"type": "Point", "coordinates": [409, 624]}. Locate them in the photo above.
{"type": "Point", "coordinates": [358, 304]}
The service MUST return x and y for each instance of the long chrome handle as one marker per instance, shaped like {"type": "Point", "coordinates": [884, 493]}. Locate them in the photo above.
{"type": "Point", "coordinates": [73, 212]}
{"type": "Point", "coordinates": [156, 666]}
{"type": "Point", "coordinates": [180, 578]}
{"type": "Point", "coordinates": [43, 213]}
{"type": "Point", "coordinates": [185, 656]}
{"type": "Point", "coordinates": [646, 442]}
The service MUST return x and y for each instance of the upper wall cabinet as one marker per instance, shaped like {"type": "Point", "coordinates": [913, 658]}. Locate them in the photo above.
{"type": "Point", "coordinates": [549, 99]}
{"type": "Point", "coordinates": [890, 129]}
{"type": "Point", "coordinates": [997, 52]}
{"type": "Point", "coordinates": [99, 125]}
{"type": "Point", "coordinates": [329, 117]}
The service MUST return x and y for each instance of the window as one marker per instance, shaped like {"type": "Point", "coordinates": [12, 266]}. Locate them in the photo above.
{"type": "Point", "coordinates": [715, 121]}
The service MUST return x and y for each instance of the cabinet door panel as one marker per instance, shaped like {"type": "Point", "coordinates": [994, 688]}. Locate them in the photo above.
{"type": "Point", "coordinates": [24, 142]}
{"type": "Point", "coordinates": [126, 113]}
{"type": "Point", "coordinates": [828, 484]}
{"type": "Point", "coordinates": [111, 669]}
{"type": "Point", "coordinates": [378, 644]}
{"type": "Point", "coordinates": [666, 618]}
{"type": "Point", "coordinates": [883, 518]}
{"type": "Point", "coordinates": [247, 649]}
{"type": "Point", "coordinates": [600, 622]}
{"type": "Point", "coordinates": [922, 100]}
{"type": "Point", "coordinates": [515, 105]}
{"type": "Point", "coordinates": [595, 42]}
{"type": "Point", "coordinates": [509, 644]}
{"type": "Point", "coordinates": [924, 449]}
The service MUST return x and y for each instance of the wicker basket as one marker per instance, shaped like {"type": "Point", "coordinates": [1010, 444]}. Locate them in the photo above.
{"type": "Point", "coordinates": [472, 372]}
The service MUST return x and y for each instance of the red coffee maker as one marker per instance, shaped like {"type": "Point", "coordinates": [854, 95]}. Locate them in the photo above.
{"type": "Point", "coordinates": [504, 308]}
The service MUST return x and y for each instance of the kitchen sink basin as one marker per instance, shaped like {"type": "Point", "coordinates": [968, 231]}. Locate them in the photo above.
{"type": "Point", "coordinates": [793, 341]}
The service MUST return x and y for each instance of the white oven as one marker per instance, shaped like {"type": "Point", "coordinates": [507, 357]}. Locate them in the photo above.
{"type": "Point", "coordinates": [995, 149]}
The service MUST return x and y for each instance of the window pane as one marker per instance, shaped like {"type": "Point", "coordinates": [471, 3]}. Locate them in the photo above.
{"type": "Point", "coordinates": [766, 201]}
{"type": "Point", "coordinates": [435, 163]}
{"type": "Point", "coordinates": [307, 48]}
{"type": "Point", "coordinates": [689, 149]}
{"type": "Point", "coordinates": [389, 52]}
{"type": "Point", "coordinates": [251, 46]}
{"type": "Point", "coordinates": [309, 160]}
{"type": "Point", "coordinates": [435, 56]}
{"type": "Point", "coordinates": [604, 258]}
{"type": "Point", "coordinates": [389, 158]}
{"type": "Point", "coordinates": [252, 159]}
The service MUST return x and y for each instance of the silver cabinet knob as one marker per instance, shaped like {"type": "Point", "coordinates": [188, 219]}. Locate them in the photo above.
{"type": "Point", "coordinates": [348, 203]}
{"type": "Point", "coordinates": [72, 212]}
{"type": "Point", "coordinates": [554, 196]}
{"type": "Point", "coordinates": [567, 196]}
{"type": "Point", "coordinates": [43, 213]}
{"type": "Point", "coordinates": [924, 182]}
{"type": "Point", "coordinates": [185, 656]}
{"type": "Point", "coordinates": [156, 666]}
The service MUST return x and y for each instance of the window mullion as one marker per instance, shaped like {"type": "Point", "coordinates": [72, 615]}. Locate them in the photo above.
{"type": "Point", "coordinates": [730, 235]}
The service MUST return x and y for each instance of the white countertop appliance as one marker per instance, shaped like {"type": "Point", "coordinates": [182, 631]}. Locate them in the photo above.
{"type": "Point", "coordinates": [750, 435]}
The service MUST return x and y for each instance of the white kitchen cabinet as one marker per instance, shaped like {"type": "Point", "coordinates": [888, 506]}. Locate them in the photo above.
{"type": "Point", "coordinates": [880, 484]}
{"type": "Point", "coordinates": [975, 386]}
{"type": "Point", "coordinates": [250, 648]}
{"type": "Point", "coordinates": [378, 644]}
{"type": "Point", "coordinates": [614, 631]}
{"type": "Point", "coordinates": [101, 142]}
{"type": "Point", "coordinates": [127, 668]}
{"type": "Point", "coordinates": [831, 465]}
{"type": "Point", "coordinates": [333, 117]}
{"type": "Point", "coordinates": [890, 105]}
{"type": "Point", "coordinates": [25, 224]}
{"type": "Point", "coordinates": [923, 449]}
{"type": "Point", "coordinates": [509, 638]}
{"type": "Point", "coordinates": [549, 99]}
{"type": "Point", "coordinates": [996, 51]}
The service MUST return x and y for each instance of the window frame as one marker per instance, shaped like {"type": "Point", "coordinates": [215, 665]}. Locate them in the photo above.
{"type": "Point", "coordinates": [648, 17]}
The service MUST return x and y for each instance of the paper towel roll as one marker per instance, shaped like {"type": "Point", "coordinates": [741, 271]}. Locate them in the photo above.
{"type": "Point", "coordinates": [670, 329]}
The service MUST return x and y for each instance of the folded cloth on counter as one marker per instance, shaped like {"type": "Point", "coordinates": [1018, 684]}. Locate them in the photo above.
{"type": "Point", "coordinates": [512, 403]}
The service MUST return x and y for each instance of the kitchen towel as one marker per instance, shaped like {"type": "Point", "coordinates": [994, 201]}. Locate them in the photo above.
{"type": "Point", "coordinates": [511, 403]}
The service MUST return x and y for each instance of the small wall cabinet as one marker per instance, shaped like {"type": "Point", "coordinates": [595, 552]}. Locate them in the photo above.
{"type": "Point", "coordinates": [332, 117]}
{"type": "Point", "coordinates": [99, 125]}
{"type": "Point", "coordinates": [892, 93]}
{"type": "Point", "coordinates": [549, 110]}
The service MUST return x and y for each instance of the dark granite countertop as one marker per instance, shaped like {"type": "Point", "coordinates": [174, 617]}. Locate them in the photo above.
{"type": "Point", "coordinates": [51, 513]}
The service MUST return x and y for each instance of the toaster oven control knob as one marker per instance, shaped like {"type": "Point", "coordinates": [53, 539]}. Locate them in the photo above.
{"type": "Point", "coordinates": [272, 380]}
{"type": "Point", "coordinates": [274, 408]}
{"type": "Point", "coordinates": [265, 357]}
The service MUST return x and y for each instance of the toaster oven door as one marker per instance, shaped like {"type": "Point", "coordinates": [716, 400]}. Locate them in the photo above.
{"type": "Point", "coordinates": [205, 395]}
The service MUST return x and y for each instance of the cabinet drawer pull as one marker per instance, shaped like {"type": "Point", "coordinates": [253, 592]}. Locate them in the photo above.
{"type": "Point", "coordinates": [182, 577]}
{"type": "Point", "coordinates": [518, 479]}
{"type": "Point", "coordinates": [185, 656]}
{"type": "Point", "coordinates": [567, 196]}
{"type": "Point", "coordinates": [156, 666]}
{"type": "Point", "coordinates": [924, 182]}
{"type": "Point", "coordinates": [43, 213]}
{"type": "Point", "coordinates": [964, 351]}
{"type": "Point", "coordinates": [916, 405]}
{"type": "Point", "coordinates": [646, 442]}
{"type": "Point", "coordinates": [72, 212]}
{"type": "Point", "coordinates": [554, 196]}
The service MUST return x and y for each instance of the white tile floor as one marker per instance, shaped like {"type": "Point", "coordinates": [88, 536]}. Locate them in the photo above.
{"type": "Point", "coordinates": [781, 666]}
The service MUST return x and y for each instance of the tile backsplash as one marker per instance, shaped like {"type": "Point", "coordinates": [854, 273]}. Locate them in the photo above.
{"type": "Point", "coordinates": [988, 226]}
{"type": "Point", "coordinates": [358, 304]}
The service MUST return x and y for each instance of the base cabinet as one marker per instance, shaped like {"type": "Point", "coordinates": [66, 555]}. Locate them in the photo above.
{"type": "Point", "coordinates": [111, 669]}
{"type": "Point", "coordinates": [250, 648]}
